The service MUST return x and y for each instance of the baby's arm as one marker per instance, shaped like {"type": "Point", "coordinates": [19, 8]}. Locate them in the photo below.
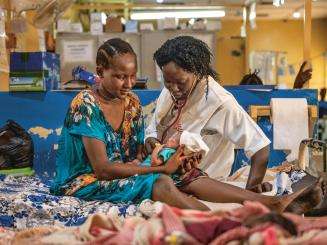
{"type": "Point", "coordinates": [155, 160]}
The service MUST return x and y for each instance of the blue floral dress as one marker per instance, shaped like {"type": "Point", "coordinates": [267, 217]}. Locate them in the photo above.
{"type": "Point", "coordinates": [74, 173]}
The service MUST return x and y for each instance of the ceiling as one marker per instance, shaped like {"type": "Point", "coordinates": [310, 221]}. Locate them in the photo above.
{"type": "Point", "coordinates": [265, 9]}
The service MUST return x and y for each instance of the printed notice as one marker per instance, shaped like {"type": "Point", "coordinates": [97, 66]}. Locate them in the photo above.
{"type": "Point", "coordinates": [78, 51]}
{"type": "Point", "coordinates": [4, 66]}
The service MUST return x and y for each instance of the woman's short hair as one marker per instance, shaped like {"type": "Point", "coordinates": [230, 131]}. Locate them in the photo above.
{"type": "Point", "coordinates": [251, 79]}
{"type": "Point", "coordinates": [191, 54]}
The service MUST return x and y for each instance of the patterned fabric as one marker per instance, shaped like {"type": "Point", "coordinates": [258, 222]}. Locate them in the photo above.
{"type": "Point", "coordinates": [74, 174]}
{"type": "Point", "coordinates": [27, 202]}
{"type": "Point", "coordinates": [189, 177]}
{"type": "Point", "coordinates": [180, 181]}
{"type": "Point", "coordinates": [82, 180]}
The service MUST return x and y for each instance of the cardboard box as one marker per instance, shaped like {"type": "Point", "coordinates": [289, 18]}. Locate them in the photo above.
{"type": "Point", "coordinates": [34, 71]}
{"type": "Point", "coordinates": [146, 27]}
{"type": "Point", "coordinates": [76, 27]}
{"type": "Point", "coordinates": [96, 28]}
{"type": "Point", "coordinates": [63, 25]}
{"type": "Point", "coordinates": [113, 25]}
{"type": "Point", "coordinates": [95, 17]}
{"type": "Point", "coordinates": [170, 23]}
{"type": "Point", "coordinates": [131, 26]}
{"type": "Point", "coordinates": [167, 24]}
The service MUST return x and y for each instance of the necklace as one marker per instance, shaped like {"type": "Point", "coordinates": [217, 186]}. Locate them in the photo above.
{"type": "Point", "coordinates": [107, 97]}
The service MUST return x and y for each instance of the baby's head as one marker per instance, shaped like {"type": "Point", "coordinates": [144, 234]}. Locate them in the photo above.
{"type": "Point", "coordinates": [193, 143]}
{"type": "Point", "coordinates": [173, 141]}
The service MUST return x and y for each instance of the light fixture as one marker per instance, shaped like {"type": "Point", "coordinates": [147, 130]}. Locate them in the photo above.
{"type": "Point", "coordinates": [296, 15]}
{"type": "Point", "coordinates": [191, 21]}
{"type": "Point", "coordinates": [252, 15]}
{"type": "Point", "coordinates": [278, 3]}
{"type": "Point", "coordinates": [160, 1]}
{"type": "Point", "coordinates": [244, 15]}
{"type": "Point", "coordinates": [243, 27]}
{"type": "Point", "coordinates": [103, 18]}
{"type": "Point", "coordinates": [179, 14]}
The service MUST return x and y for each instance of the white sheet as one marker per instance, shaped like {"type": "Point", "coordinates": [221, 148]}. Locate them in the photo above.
{"type": "Point", "coordinates": [290, 122]}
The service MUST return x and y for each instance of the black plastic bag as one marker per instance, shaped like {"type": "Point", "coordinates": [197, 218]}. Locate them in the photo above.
{"type": "Point", "coordinates": [16, 147]}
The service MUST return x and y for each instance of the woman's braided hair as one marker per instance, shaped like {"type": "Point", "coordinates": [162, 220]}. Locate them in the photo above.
{"type": "Point", "coordinates": [110, 48]}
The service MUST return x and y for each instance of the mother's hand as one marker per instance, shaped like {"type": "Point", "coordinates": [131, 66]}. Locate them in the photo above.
{"type": "Point", "coordinates": [175, 161]}
{"type": "Point", "coordinates": [150, 144]}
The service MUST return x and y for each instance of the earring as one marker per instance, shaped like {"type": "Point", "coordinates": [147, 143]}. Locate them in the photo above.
{"type": "Point", "coordinates": [98, 79]}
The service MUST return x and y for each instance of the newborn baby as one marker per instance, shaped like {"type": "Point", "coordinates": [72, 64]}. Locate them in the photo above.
{"type": "Point", "coordinates": [172, 143]}
{"type": "Point", "coordinates": [193, 143]}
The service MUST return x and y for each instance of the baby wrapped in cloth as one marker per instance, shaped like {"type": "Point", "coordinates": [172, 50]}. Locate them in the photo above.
{"type": "Point", "coordinates": [193, 145]}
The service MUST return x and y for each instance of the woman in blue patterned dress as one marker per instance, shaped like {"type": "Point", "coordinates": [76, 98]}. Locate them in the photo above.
{"type": "Point", "coordinates": [102, 138]}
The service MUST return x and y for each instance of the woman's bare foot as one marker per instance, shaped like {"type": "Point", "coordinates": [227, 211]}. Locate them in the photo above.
{"type": "Point", "coordinates": [308, 200]}
{"type": "Point", "coordinates": [300, 201]}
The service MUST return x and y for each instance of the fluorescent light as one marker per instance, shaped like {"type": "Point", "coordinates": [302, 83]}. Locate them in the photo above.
{"type": "Point", "coordinates": [278, 3]}
{"type": "Point", "coordinates": [103, 18]}
{"type": "Point", "coordinates": [160, 1]}
{"type": "Point", "coordinates": [244, 14]}
{"type": "Point", "coordinates": [252, 15]}
{"type": "Point", "coordinates": [180, 14]}
{"type": "Point", "coordinates": [296, 15]}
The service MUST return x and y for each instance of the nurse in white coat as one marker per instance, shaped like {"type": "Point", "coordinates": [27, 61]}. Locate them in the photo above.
{"type": "Point", "coordinates": [193, 100]}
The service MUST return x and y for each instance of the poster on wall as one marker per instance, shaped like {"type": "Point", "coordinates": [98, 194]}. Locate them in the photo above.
{"type": "Point", "coordinates": [4, 66]}
{"type": "Point", "coordinates": [282, 66]}
{"type": "Point", "coordinates": [272, 65]}
{"type": "Point", "coordinates": [77, 51]}
{"type": "Point", "coordinates": [265, 62]}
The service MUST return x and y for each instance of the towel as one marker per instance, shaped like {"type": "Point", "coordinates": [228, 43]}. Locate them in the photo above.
{"type": "Point", "coordinates": [193, 143]}
{"type": "Point", "coordinates": [290, 122]}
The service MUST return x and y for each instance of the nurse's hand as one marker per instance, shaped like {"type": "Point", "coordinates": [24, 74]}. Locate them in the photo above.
{"type": "Point", "coordinates": [260, 188]}
{"type": "Point", "coordinates": [174, 161]}
{"type": "Point", "coordinates": [192, 161]}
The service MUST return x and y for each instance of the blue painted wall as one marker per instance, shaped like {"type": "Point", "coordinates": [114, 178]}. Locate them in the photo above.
{"type": "Point", "coordinates": [43, 113]}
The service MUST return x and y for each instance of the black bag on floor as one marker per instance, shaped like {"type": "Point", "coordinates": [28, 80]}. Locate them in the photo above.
{"type": "Point", "coordinates": [16, 147]}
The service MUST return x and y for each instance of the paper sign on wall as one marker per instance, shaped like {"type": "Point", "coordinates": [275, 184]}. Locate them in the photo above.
{"type": "Point", "coordinates": [78, 51]}
{"type": "Point", "coordinates": [4, 66]}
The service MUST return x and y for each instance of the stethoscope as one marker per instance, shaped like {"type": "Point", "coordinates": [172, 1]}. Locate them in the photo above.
{"type": "Point", "coordinates": [179, 108]}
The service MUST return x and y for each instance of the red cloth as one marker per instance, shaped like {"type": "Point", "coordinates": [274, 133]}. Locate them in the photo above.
{"type": "Point", "coordinates": [197, 227]}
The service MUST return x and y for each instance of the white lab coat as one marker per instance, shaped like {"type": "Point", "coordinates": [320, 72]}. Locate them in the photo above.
{"type": "Point", "coordinates": [221, 121]}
